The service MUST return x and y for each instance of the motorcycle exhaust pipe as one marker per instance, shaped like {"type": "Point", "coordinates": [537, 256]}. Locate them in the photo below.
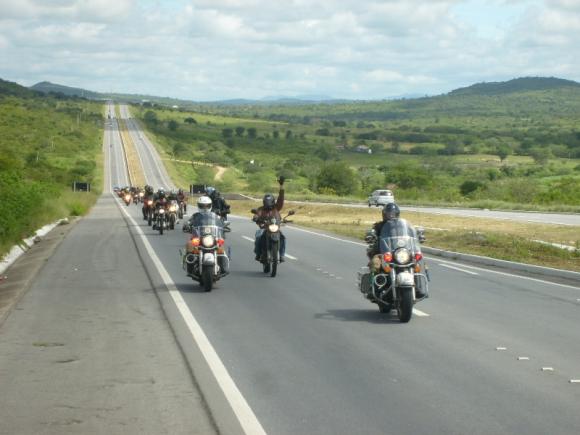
{"type": "Point", "coordinates": [380, 280]}
{"type": "Point", "coordinates": [190, 258]}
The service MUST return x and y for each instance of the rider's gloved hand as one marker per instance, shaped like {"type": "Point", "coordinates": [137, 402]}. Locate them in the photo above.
{"type": "Point", "coordinates": [281, 180]}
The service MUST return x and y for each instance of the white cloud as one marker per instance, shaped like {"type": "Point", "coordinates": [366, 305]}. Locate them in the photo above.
{"type": "Point", "coordinates": [210, 49]}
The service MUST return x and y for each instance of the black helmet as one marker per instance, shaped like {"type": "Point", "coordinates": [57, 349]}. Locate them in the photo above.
{"type": "Point", "coordinates": [210, 191]}
{"type": "Point", "coordinates": [268, 201]}
{"type": "Point", "coordinates": [391, 211]}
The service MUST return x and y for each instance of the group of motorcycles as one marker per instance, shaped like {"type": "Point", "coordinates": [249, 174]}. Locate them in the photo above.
{"type": "Point", "coordinates": [395, 279]}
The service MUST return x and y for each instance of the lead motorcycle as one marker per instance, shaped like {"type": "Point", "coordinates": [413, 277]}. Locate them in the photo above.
{"type": "Point", "coordinates": [205, 259]}
{"type": "Point", "coordinates": [271, 240]}
{"type": "Point", "coordinates": [396, 278]}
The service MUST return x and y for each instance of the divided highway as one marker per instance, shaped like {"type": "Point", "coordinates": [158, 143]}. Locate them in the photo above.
{"type": "Point", "coordinates": [488, 353]}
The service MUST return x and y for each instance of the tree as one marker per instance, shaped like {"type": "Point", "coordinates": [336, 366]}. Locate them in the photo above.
{"type": "Point", "coordinates": [150, 117]}
{"type": "Point", "coordinates": [252, 133]}
{"type": "Point", "coordinates": [503, 151]}
{"type": "Point", "coordinates": [288, 134]}
{"type": "Point", "coordinates": [337, 176]}
{"type": "Point", "coordinates": [227, 132]}
{"type": "Point", "coordinates": [172, 125]}
{"type": "Point", "coordinates": [276, 134]}
{"type": "Point", "coordinates": [190, 120]}
{"type": "Point", "coordinates": [240, 131]}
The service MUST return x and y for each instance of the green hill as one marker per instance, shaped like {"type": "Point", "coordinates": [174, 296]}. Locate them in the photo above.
{"type": "Point", "coordinates": [48, 87]}
{"type": "Point", "coordinates": [14, 89]}
{"type": "Point", "coordinates": [523, 84]}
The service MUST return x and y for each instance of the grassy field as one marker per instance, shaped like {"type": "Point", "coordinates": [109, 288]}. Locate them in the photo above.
{"type": "Point", "coordinates": [500, 239]}
{"type": "Point", "coordinates": [46, 143]}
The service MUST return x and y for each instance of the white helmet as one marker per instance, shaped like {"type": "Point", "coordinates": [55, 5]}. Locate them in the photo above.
{"type": "Point", "coordinates": [204, 203]}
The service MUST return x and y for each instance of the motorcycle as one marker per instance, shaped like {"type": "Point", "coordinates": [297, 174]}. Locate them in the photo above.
{"type": "Point", "coordinates": [148, 210]}
{"type": "Point", "coordinates": [271, 240]}
{"type": "Point", "coordinates": [127, 198]}
{"type": "Point", "coordinates": [397, 277]}
{"type": "Point", "coordinates": [160, 219]}
{"type": "Point", "coordinates": [138, 197]}
{"type": "Point", "coordinates": [172, 214]}
{"type": "Point", "coordinates": [205, 259]}
{"type": "Point", "coordinates": [182, 209]}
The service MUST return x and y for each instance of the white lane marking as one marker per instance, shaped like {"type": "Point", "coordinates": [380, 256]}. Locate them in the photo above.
{"type": "Point", "coordinates": [458, 268]}
{"type": "Point", "coordinates": [575, 381]}
{"type": "Point", "coordinates": [420, 313]}
{"type": "Point", "coordinates": [547, 369]}
{"type": "Point", "coordinates": [249, 239]}
{"type": "Point", "coordinates": [327, 236]}
{"type": "Point", "coordinates": [443, 261]}
{"type": "Point", "coordinates": [501, 348]}
{"type": "Point", "coordinates": [512, 275]}
{"type": "Point", "coordinates": [244, 413]}
{"type": "Point", "coordinates": [523, 358]}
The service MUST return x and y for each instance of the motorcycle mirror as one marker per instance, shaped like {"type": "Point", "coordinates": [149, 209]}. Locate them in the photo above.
{"type": "Point", "coordinates": [254, 211]}
{"type": "Point", "coordinates": [291, 212]}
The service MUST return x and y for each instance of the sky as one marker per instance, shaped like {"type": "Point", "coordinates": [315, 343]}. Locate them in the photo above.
{"type": "Point", "coordinates": [207, 50]}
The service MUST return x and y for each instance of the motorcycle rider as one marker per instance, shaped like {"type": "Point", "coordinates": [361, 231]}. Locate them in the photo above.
{"type": "Point", "coordinates": [270, 208]}
{"type": "Point", "coordinates": [392, 212]}
{"type": "Point", "coordinates": [204, 205]}
{"type": "Point", "coordinates": [147, 196]}
{"type": "Point", "coordinates": [182, 198]}
{"type": "Point", "coordinates": [219, 204]}
{"type": "Point", "coordinates": [159, 201]}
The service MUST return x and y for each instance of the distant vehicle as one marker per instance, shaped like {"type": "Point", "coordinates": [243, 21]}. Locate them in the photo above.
{"type": "Point", "coordinates": [381, 198]}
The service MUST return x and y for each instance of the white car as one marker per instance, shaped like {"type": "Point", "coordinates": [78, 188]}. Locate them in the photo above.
{"type": "Point", "coordinates": [381, 198]}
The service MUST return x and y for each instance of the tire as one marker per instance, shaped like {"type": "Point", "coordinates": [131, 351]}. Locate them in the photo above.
{"type": "Point", "coordinates": [266, 267]}
{"type": "Point", "coordinates": [172, 223]}
{"type": "Point", "coordinates": [405, 308]}
{"type": "Point", "coordinates": [207, 278]}
{"type": "Point", "coordinates": [274, 260]}
{"type": "Point", "coordinates": [149, 219]}
{"type": "Point", "coordinates": [369, 205]}
{"type": "Point", "coordinates": [160, 225]}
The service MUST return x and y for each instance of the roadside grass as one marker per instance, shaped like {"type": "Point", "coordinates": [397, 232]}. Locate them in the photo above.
{"type": "Point", "coordinates": [502, 239]}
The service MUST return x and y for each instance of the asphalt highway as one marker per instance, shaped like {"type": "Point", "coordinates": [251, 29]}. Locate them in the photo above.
{"type": "Point", "coordinates": [487, 353]}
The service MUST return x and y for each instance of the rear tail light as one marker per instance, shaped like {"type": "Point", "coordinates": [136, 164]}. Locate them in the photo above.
{"type": "Point", "coordinates": [220, 242]}
{"type": "Point", "coordinates": [418, 256]}
{"type": "Point", "coordinates": [387, 257]}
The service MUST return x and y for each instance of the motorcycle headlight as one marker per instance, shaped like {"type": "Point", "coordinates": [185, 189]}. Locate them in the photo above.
{"type": "Point", "coordinates": [172, 208]}
{"type": "Point", "coordinates": [141, 195]}
{"type": "Point", "coordinates": [273, 228]}
{"type": "Point", "coordinates": [161, 210]}
{"type": "Point", "coordinates": [208, 241]}
{"type": "Point", "coordinates": [402, 256]}
{"type": "Point", "coordinates": [127, 197]}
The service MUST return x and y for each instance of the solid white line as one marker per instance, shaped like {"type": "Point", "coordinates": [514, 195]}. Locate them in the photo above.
{"type": "Point", "coordinates": [327, 236]}
{"type": "Point", "coordinates": [458, 268]}
{"type": "Point", "coordinates": [515, 276]}
{"type": "Point", "coordinates": [244, 413]}
{"type": "Point", "coordinates": [291, 257]}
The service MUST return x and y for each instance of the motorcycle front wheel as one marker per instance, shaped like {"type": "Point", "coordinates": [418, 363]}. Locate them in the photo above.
{"type": "Point", "coordinates": [207, 278]}
{"type": "Point", "coordinates": [405, 305]}
{"type": "Point", "coordinates": [160, 225]}
{"type": "Point", "coordinates": [274, 259]}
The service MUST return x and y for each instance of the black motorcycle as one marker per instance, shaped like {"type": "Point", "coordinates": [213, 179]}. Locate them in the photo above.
{"type": "Point", "coordinates": [205, 259]}
{"type": "Point", "coordinates": [271, 239]}
{"type": "Point", "coordinates": [397, 277]}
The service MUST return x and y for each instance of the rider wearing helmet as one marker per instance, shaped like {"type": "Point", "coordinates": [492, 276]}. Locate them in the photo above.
{"type": "Point", "coordinates": [270, 208]}
{"type": "Point", "coordinates": [204, 204]}
{"type": "Point", "coordinates": [220, 207]}
{"type": "Point", "coordinates": [181, 198]}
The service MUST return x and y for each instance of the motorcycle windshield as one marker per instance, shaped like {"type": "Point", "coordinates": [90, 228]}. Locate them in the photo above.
{"type": "Point", "coordinates": [396, 234]}
{"type": "Point", "coordinates": [207, 223]}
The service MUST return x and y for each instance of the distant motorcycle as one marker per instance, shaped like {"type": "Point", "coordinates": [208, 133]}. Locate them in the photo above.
{"type": "Point", "coordinates": [127, 198]}
{"type": "Point", "coordinates": [160, 220]}
{"type": "Point", "coordinates": [397, 277]}
{"type": "Point", "coordinates": [148, 210]}
{"type": "Point", "coordinates": [271, 240]}
{"type": "Point", "coordinates": [172, 214]}
{"type": "Point", "coordinates": [205, 259]}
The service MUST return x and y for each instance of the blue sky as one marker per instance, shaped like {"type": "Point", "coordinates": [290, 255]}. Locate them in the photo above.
{"type": "Point", "coordinates": [221, 49]}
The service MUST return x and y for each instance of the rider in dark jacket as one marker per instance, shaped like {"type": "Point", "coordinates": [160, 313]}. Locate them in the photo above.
{"type": "Point", "coordinates": [218, 204]}
{"type": "Point", "coordinates": [270, 208]}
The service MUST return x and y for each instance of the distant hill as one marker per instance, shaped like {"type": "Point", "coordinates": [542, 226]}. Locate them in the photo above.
{"type": "Point", "coordinates": [14, 89]}
{"type": "Point", "coordinates": [522, 84]}
{"type": "Point", "coordinates": [48, 87]}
